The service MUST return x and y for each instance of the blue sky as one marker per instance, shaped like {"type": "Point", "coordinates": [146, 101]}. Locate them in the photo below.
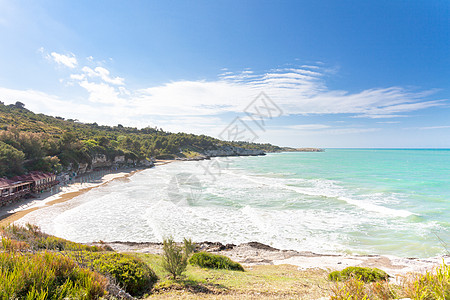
{"type": "Point", "coordinates": [341, 73]}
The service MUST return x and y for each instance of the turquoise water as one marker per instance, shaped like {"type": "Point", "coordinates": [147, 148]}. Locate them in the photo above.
{"type": "Point", "coordinates": [391, 202]}
{"type": "Point", "coordinates": [406, 191]}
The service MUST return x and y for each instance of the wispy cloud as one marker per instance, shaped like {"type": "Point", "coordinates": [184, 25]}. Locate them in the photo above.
{"type": "Point", "coordinates": [308, 126]}
{"type": "Point", "coordinates": [323, 129]}
{"type": "Point", "coordinates": [435, 127]}
{"type": "Point", "coordinates": [99, 72]}
{"type": "Point", "coordinates": [68, 60]}
{"type": "Point", "coordinates": [297, 91]}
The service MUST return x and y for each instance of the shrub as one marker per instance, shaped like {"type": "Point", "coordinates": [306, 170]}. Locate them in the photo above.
{"type": "Point", "coordinates": [431, 285]}
{"type": "Point", "coordinates": [13, 245]}
{"type": "Point", "coordinates": [175, 257]}
{"type": "Point", "coordinates": [356, 289]}
{"type": "Point", "coordinates": [214, 261]}
{"type": "Point", "coordinates": [37, 240]}
{"type": "Point", "coordinates": [364, 274]}
{"type": "Point", "coordinates": [131, 273]}
{"type": "Point", "coordinates": [47, 275]}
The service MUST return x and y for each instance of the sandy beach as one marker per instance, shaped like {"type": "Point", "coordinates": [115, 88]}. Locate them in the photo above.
{"type": "Point", "coordinates": [13, 212]}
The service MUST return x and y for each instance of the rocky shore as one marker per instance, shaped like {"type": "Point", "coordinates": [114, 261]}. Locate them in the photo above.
{"type": "Point", "coordinates": [224, 151]}
{"type": "Point", "coordinates": [255, 253]}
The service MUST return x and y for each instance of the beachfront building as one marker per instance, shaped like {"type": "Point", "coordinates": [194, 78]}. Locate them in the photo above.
{"type": "Point", "coordinates": [20, 186]}
{"type": "Point", "coordinates": [40, 181]}
{"type": "Point", "coordinates": [13, 189]}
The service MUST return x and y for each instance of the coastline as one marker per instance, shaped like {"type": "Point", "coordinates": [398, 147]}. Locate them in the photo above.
{"type": "Point", "coordinates": [249, 254]}
{"type": "Point", "coordinates": [14, 212]}
{"type": "Point", "coordinates": [255, 253]}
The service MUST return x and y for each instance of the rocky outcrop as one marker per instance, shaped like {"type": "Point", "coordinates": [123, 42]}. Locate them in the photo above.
{"type": "Point", "coordinates": [287, 149]}
{"type": "Point", "coordinates": [100, 161]}
{"type": "Point", "coordinates": [232, 151]}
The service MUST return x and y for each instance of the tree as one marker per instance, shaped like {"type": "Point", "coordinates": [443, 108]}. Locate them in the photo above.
{"type": "Point", "coordinates": [19, 104]}
{"type": "Point", "coordinates": [176, 257]}
{"type": "Point", "coordinates": [11, 160]}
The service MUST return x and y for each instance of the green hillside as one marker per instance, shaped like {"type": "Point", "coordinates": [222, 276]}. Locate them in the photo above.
{"type": "Point", "coordinates": [30, 141]}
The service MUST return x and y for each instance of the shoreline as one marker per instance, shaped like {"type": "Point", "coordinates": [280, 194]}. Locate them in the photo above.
{"type": "Point", "coordinates": [14, 212]}
{"type": "Point", "coordinates": [249, 254]}
{"type": "Point", "coordinates": [255, 253]}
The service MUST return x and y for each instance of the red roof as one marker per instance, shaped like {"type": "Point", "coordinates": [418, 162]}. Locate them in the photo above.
{"type": "Point", "coordinates": [10, 182]}
{"type": "Point", "coordinates": [32, 176]}
{"type": "Point", "coordinates": [5, 182]}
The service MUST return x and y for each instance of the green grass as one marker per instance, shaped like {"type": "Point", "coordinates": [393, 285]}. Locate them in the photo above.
{"type": "Point", "coordinates": [214, 261]}
{"type": "Point", "coordinates": [277, 282]}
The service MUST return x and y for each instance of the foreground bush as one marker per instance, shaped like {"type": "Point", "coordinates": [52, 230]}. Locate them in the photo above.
{"type": "Point", "coordinates": [37, 240]}
{"type": "Point", "coordinates": [129, 272]}
{"type": "Point", "coordinates": [430, 286]}
{"type": "Point", "coordinates": [364, 274]}
{"type": "Point", "coordinates": [47, 275]}
{"type": "Point", "coordinates": [214, 261]}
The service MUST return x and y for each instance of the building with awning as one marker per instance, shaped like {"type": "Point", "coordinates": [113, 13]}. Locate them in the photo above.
{"type": "Point", "coordinates": [19, 186]}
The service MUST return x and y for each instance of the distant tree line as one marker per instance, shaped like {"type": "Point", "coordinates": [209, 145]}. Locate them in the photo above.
{"type": "Point", "coordinates": [30, 141]}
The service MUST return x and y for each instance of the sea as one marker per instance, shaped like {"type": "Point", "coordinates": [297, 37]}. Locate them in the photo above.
{"type": "Point", "coordinates": [349, 201]}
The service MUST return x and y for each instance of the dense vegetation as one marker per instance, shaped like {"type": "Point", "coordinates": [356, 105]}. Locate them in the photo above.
{"type": "Point", "coordinates": [132, 274]}
{"type": "Point", "coordinates": [214, 261]}
{"type": "Point", "coordinates": [47, 275]}
{"type": "Point", "coordinates": [30, 141]}
{"type": "Point", "coordinates": [35, 265]}
{"type": "Point", "coordinates": [33, 269]}
{"type": "Point", "coordinates": [30, 237]}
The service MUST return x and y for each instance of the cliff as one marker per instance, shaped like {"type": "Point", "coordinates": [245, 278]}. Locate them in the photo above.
{"type": "Point", "coordinates": [233, 151]}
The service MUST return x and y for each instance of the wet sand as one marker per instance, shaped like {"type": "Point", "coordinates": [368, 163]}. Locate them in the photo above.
{"type": "Point", "coordinates": [13, 212]}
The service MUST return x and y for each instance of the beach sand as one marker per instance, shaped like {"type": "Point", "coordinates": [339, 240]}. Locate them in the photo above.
{"type": "Point", "coordinates": [13, 212]}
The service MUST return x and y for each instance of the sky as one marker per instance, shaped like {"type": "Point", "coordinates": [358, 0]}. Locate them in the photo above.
{"type": "Point", "coordinates": [332, 74]}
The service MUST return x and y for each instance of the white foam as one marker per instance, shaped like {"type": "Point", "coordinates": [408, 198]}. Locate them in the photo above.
{"type": "Point", "coordinates": [237, 207]}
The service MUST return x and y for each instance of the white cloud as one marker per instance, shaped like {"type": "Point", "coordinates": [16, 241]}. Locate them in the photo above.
{"type": "Point", "coordinates": [196, 106]}
{"type": "Point", "coordinates": [308, 126]}
{"type": "Point", "coordinates": [297, 91]}
{"type": "Point", "coordinates": [435, 127]}
{"type": "Point", "coordinates": [102, 93]}
{"type": "Point", "coordinates": [69, 61]}
{"type": "Point", "coordinates": [325, 130]}
{"type": "Point", "coordinates": [103, 74]}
